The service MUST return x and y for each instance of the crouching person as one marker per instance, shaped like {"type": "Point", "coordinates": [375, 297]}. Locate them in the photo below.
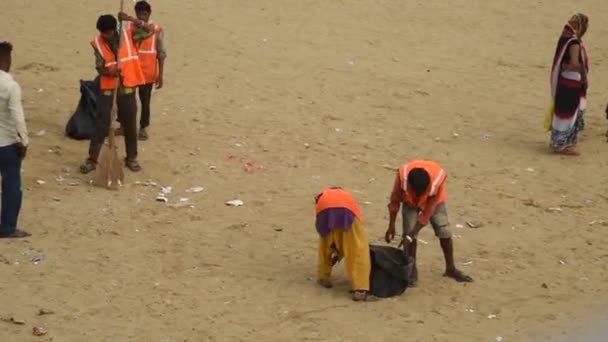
{"type": "Point", "coordinates": [342, 235]}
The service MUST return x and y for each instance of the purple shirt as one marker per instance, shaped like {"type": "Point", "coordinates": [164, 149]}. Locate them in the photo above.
{"type": "Point", "coordinates": [332, 218]}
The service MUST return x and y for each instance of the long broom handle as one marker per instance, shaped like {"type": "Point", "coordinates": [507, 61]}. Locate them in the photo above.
{"type": "Point", "coordinates": [111, 142]}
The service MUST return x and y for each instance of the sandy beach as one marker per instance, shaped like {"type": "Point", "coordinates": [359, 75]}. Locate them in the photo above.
{"type": "Point", "coordinates": [270, 101]}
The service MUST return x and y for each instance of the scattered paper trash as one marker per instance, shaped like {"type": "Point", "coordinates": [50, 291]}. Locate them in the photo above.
{"type": "Point", "coordinates": [499, 339]}
{"type": "Point", "coordinates": [459, 226]}
{"type": "Point", "coordinates": [13, 320]}
{"type": "Point", "coordinates": [56, 199]}
{"type": "Point", "coordinates": [40, 182]}
{"type": "Point", "coordinates": [555, 209]}
{"type": "Point", "coordinates": [338, 130]}
{"type": "Point", "coordinates": [212, 167]}
{"type": "Point", "coordinates": [183, 202]}
{"type": "Point", "coordinates": [235, 203]}
{"type": "Point", "coordinates": [474, 224]}
{"type": "Point", "coordinates": [39, 331]}
{"type": "Point", "coordinates": [40, 133]}
{"type": "Point", "coordinates": [37, 259]}
{"type": "Point", "coordinates": [423, 242]}
{"type": "Point", "coordinates": [166, 189]}
{"type": "Point", "coordinates": [162, 198]}
{"type": "Point", "coordinates": [467, 263]}
{"type": "Point", "coordinates": [42, 312]}
{"type": "Point", "coordinates": [492, 316]}
{"type": "Point", "coordinates": [195, 189]}
{"type": "Point", "coordinates": [530, 169]}
{"type": "Point", "coordinates": [562, 262]}
{"type": "Point", "coordinates": [59, 179]}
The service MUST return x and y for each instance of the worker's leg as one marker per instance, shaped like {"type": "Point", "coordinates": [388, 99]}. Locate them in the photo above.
{"type": "Point", "coordinates": [440, 223]}
{"type": "Point", "coordinates": [409, 218]}
{"type": "Point", "coordinates": [127, 108]}
{"type": "Point", "coordinates": [355, 249]}
{"type": "Point", "coordinates": [100, 131]}
{"type": "Point", "coordinates": [324, 260]}
{"type": "Point", "coordinates": [145, 96]}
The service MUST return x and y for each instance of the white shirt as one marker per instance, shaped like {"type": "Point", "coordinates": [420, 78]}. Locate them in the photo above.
{"type": "Point", "coordinates": [12, 119]}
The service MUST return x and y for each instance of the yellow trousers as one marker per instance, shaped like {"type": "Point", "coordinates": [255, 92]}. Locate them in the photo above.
{"type": "Point", "coordinates": [352, 245]}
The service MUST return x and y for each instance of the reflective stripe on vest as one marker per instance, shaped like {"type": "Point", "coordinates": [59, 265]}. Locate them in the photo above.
{"type": "Point", "coordinates": [126, 41]}
{"type": "Point", "coordinates": [434, 186]}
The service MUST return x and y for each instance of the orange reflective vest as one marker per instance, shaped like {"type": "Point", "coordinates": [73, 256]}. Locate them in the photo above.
{"type": "Point", "coordinates": [337, 198]}
{"type": "Point", "coordinates": [437, 175]}
{"type": "Point", "coordinates": [130, 67]}
{"type": "Point", "coordinates": [148, 55]}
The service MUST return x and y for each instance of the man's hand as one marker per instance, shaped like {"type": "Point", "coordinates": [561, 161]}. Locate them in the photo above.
{"type": "Point", "coordinates": [159, 82]}
{"type": "Point", "coordinates": [21, 150]}
{"type": "Point", "coordinates": [405, 242]}
{"type": "Point", "coordinates": [122, 16]}
{"type": "Point", "coordinates": [390, 233]}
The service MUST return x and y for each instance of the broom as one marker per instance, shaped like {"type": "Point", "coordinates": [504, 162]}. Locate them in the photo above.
{"type": "Point", "coordinates": [109, 172]}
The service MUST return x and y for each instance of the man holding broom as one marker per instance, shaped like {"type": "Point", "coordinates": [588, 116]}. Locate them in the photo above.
{"type": "Point", "coordinates": [117, 63]}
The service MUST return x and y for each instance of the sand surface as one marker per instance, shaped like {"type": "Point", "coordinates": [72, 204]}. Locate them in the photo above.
{"type": "Point", "coordinates": [310, 93]}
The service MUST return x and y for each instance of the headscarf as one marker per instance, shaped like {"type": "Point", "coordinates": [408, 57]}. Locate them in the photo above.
{"type": "Point", "coordinates": [578, 25]}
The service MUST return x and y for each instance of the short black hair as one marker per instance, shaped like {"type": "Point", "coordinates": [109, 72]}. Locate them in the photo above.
{"type": "Point", "coordinates": [5, 49]}
{"type": "Point", "coordinates": [106, 22]}
{"type": "Point", "coordinates": [143, 6]}
{"type": "Point", "coordinates": [419, 179]}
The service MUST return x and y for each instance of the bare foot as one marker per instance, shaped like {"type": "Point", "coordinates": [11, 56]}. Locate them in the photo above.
{"type": "Point", "coordinates": [570, 151]}
{"type": "Point", "coordinates": [458, 275]}
{"type": "Point", "coordinates": [325, 283]}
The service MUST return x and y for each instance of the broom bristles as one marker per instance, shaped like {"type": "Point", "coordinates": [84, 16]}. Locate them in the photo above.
{"type": "Point", "coordinates": [109, 172]}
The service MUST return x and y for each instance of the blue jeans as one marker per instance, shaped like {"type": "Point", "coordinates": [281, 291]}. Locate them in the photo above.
{"type": "Point", "coordinates": [10, 169]}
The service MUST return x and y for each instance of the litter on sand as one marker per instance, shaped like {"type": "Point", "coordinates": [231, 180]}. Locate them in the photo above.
{"type": "Point", "coordinates": [195, 189]}
{"type": "Point", "coordinates": [235, 203]}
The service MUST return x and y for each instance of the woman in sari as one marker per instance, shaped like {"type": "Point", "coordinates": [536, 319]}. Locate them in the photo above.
{"type": "Point", "coordinates": [569, 86]}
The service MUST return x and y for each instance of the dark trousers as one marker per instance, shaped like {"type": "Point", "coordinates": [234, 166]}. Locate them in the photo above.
{"type": "Point", "coordinates": [10, 169]}
{"type": "Point", "coordinates": [145, 95]}
{"type": "Point", "coordinates": [127, 116]}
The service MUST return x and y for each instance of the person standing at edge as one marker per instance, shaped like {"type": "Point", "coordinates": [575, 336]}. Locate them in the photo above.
{"type": "Point", "coordinates": [420, 186]}
{"type": "Point", "coordinates": [13, 146]}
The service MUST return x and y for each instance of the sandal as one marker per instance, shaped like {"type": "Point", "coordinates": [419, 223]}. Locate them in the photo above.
{"type": "Point", "coordinates": [17, 234]}
{"type": "Point", "coordinates": [363, 296]}
{"type": "Point", "coordinates": [325, 283]}
{"type": "Point", "coordinates": [458, 275]}
{"type": "Point", "coordinates": [132, 165]}
{"type": "Point", "coordinates": [88, 166]}
{"type": "Point", "coordinates": [570, 151]}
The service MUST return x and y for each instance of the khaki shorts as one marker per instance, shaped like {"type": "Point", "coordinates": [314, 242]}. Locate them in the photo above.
{"type": "Point", "coordinates": [439, 221]}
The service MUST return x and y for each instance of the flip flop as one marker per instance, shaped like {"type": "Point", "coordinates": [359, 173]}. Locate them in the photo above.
{"type": "Point", "coordinates": [87, 167]}
{"type": "Point", "coordinates": [133, 165]}
{"type": "Point", "coordinates": [17, 234]}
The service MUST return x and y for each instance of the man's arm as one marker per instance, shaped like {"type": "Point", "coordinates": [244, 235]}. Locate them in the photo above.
{"type": "Point", "coordinates": [122, 16]}
{"type": "Point", "coordinates": [393, 208]}
{"type": "Point", "coordinates": [15, 108]}
{"type": "Point", "coordinates": [427, 212]}
{"type": "Point", "coordinates": [160, 56]}
{"type": "Point", "coordinates": [100, 66]}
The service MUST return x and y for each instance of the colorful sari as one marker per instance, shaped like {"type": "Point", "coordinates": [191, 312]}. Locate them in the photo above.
{"type": "Point", "coordinates": [568, 87]}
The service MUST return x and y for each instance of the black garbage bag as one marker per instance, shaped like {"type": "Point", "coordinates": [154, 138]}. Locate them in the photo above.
{"type": "Point", "coordinates": [82, 123]}
{"type": "Point", "coordinates": [391, 270]}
